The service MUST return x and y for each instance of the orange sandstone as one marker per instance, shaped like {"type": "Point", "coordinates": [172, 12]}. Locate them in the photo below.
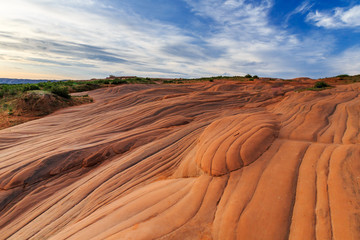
{"type": "Point", "coordinates": [198, 161]}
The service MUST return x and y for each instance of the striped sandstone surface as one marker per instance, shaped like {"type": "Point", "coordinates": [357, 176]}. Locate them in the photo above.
{"type": "Point", "coordinates": [218, 160]}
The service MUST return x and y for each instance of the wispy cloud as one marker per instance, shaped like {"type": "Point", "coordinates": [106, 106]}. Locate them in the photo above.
{"type": "Point", "coordinates": [252, 44]}
{"type": "Point", "coordinates": [93, 38]}
{"type": "Point", "coordinates": [337, 18]}
{"type": "Point", "coordinates": [302, 9]}
{"type": "Point", "coordinates": [78, 31]}
{"type": "Point", "coordinates": [69, 49]}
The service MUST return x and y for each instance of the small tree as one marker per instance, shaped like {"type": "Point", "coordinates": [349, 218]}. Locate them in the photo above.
{"type": "Point", "coordinates": [321, 84]}
{"type": "Point", "coordinates": [61, 91]}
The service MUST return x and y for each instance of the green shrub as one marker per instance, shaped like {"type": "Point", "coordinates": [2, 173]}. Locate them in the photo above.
{"type": "Point", "coordinates": [67, 83]}
{"type": "Point", "coordinates": [85, 87]}
{"type": "Point", "coordinates": [10, 111]}
{"type": "Point", "coordinates": [342, 75]}
{"type": "Point", "coordinates": [119, 81]}
{"type": "Point", "coordinates": [255, 77]}
{"type": "Point", "coordinates": [2, 93]}
{"type": "Point", "coordinates": [46, 85]}
{"type": "Point", "coordinates": [61, 91]}
{"type": "Point", "coordinates": [12, 91]}
{"type": "Point", "coordinates": [168, 81]}
{"type": "Point", "coordinates": [30, 87]}
{"type": "Point", "coordinates": [248, 76]}
{"type": "Point", "coordinates": [321, 84]}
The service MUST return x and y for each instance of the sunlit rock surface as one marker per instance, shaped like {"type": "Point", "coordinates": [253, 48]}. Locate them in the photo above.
{"type": "Point", "coordinates": [201, 161]}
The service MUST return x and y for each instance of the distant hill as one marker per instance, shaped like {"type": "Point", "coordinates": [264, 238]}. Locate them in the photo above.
{"type": "Point", "coordinates": [21, 81]}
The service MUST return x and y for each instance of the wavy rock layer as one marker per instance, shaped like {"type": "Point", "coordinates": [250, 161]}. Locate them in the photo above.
{"type": "Point", "coordinates": [231, 143]}
{"type": "Point", "coordinates": [218, 161]}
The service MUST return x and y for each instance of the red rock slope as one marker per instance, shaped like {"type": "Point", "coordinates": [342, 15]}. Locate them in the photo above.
{"type": "Point", "coordinates": [216, 161]}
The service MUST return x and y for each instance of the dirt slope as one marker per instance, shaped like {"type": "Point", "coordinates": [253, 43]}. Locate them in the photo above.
{"type": "Point", "coordinates": [201, 161]}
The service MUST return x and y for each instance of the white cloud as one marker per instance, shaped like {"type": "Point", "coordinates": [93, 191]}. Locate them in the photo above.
{"type": "Point", "coordinates": [303, 8]}
{"type": "Point", "coordinates": [348, 62]}
{"type": "Point", "coordinates": [254, 45]}
{"type": "Point", "coordinates": [84, 39]}
{"type": "Point", "coordinates": [337, 18]}
{"type": "Point", "coordinates": [71, 30]}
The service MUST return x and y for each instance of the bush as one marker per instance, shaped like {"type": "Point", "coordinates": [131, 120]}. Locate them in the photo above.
{"type": "Point", "coordinates": [67, 83]}
{"type": "Point", "coordinates": [248, 76]}
{"type": "Point", "coordinates": [119, 81]}
{"type": "Point", "coordinates": [12, 92]}
{"type": "Point", "coordinates": [343, 75]}
{"type": "Point", "coordinates": [255, 77]}
{"type": "Point", "coordinates": [45, 85]}
{"type": "Point", "coordinates": [168, 81]}
{"type": "Point", "coordinates": [10, 111]}
{"type": "Point", "coordinates": [30, 87]}
{"type": "Point", "coordinates": [85, 87]}
{"type": "Point", "coordinates": [321, 84]}
{"type": "Point", "coordinates": [61, 91]}
{"type": "Point", "coordinates": [2, 93]}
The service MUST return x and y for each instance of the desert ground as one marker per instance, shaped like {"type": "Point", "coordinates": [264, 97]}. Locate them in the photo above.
{"type": "Point", "coordinates": [215, 160]}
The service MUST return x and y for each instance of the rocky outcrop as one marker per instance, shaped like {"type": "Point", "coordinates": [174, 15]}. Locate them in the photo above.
{"type": "Point", "coordinates": [197, 161]}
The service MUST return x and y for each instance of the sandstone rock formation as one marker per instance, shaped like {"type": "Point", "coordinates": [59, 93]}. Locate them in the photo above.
{"type": "Point", "coordinates": [198, 161]}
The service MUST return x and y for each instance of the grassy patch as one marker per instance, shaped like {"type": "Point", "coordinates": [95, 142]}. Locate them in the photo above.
{"type": "Point", "coordinates": [345, 78]}
{"type": "Point", "coordinates": [24, 102]}
{"type": "Point", "coordinates": [318, 86]}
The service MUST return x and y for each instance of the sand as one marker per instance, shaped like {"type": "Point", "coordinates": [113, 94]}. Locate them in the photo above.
{"type": "Point", "coordinates": [199, 161]}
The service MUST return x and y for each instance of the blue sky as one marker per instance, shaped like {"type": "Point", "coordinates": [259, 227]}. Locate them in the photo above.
{"type": "Point", "coordinates": [82, 39]}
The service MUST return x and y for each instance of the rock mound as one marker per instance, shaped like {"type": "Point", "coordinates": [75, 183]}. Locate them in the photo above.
{"type": "Point", "coordinates": [231, 143]}
{"type": "Point", "coordinates": [40, 103]}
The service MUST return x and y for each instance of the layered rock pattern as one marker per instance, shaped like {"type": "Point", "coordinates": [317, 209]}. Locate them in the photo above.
{"type": "Point", "coordinates": [201, 161]}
